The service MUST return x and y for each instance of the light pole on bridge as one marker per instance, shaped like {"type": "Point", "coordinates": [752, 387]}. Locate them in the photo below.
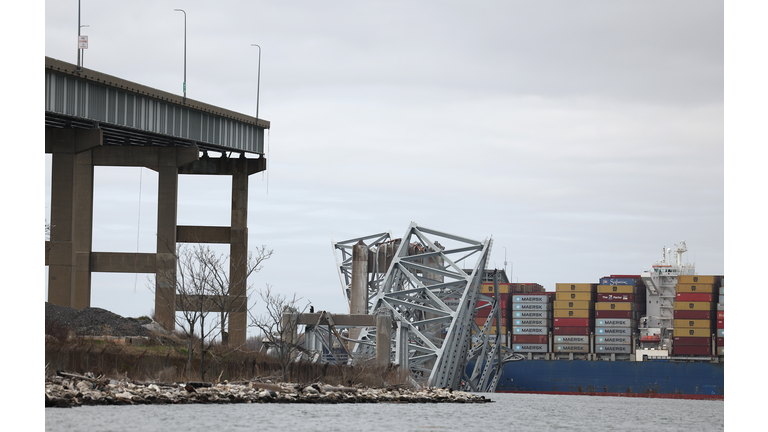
{"type": "Point", "coordinates": [185, 52]}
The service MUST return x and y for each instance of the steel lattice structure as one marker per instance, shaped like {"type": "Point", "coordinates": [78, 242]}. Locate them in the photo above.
{"type": "Point", "coordinates": [433, 302]}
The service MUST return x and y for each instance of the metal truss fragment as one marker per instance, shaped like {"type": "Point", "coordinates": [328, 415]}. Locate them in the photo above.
{"type": "Point", "coordinates": [433, 302]}
{"type": "Point", "coordinates": [377, 269]}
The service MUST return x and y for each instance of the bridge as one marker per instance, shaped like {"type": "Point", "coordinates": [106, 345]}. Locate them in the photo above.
{"type": "Point", "coordinates": [94, 119]}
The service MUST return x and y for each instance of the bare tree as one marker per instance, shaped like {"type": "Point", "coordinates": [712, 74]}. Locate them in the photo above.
{"type": "Point", "coordinates": [191, 283]}
{"type": "Point", "coordinates": [279, 326]}
{"type": "Point", "coordinates": [229, 289]}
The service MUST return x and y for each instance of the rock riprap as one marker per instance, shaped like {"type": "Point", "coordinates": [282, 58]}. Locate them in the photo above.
{"type": "Point", "coordinates": [71, 391]}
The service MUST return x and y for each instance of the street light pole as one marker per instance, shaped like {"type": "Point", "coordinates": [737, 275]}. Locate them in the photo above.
{"type": "Point", "coordinates": [78, 35]}
{"type": "Point", "coordinates": [185, 53]}
{"type": "Point", "coordinates": [258, 83]}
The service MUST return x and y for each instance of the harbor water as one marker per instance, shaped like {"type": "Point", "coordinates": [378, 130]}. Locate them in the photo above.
{"type": "Point", "coordinates": [507, 412]}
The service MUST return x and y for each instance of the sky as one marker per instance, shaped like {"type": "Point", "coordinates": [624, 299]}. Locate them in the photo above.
{"type": "Point", "coordinates": [582, 137]}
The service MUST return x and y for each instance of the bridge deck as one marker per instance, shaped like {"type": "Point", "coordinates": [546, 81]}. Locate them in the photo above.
{"type": "Point", "coordinates": [136, 115]}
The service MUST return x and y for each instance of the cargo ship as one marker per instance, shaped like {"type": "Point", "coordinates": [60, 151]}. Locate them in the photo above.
{"type": "Point", "coordinates": [656, 334]}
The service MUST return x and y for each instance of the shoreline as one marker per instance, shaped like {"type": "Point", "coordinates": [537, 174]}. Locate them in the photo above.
{"type": "Point", "coordinates": [66, 390]}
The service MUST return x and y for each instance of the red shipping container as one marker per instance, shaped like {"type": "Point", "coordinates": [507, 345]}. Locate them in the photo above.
{"type": "Point", "coordinates": [615, 297]}
{"type": "Point", "coordinates": [720, 314]}
{"type": "Point", "coordinates": [614, 314]}
{"type": "Point", "coordinates": [691, 350]}
{"type": "Point", "coordinates": [693, 297]}
{"type": "Point", "coordinates": [579, 331]}
{"type": "Point", "coordinates": [720, 342]}
{"type": "Point", "coordinates": [529, 339]}
{"type": "Point", "coordinates": [691, 341]}
{"type": "Point", "coordinates": [692, 314]}
{"type": "Point", "coordinates": [572, 322]}
{"type": "Point", "coordinates": [721, 324]}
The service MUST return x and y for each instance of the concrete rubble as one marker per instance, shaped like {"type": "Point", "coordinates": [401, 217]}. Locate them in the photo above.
{"type": "Point", "coordinates": [71, 391]}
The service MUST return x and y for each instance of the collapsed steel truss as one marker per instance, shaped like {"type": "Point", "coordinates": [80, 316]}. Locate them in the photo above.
{"type": "Point", "coordinates": [433, 302]}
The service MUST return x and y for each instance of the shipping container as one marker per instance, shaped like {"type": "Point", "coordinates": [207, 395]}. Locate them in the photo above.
{"type": "Point", "coordinates": [619, 281]}
{"type": "Point", "coordinates": [567, 295]}
{"type": "Point", "coordinates": [530, 298]}
{"type": "Point", "coordinates": [533, 348]}
{"type": "Point", "coordinates": [561, 330]}
{"type": "Point", "coordinates": [530, 330]}
{"type": "Point", "coordinates": [720, 324]}
{"type": "Point", "coordinates": [720, 342]}
{"type": "Point", "coordinates": [619, 289]}
{"type": "Point", "coordinates": [693, 323]}
{"type": "Point", "coordinates": [687, 340]}
{"type": "Point", "coordinates": [692, 332]}
{"type": "Point", "coordinates": [720, 332]}
{"type": "Point", "coordinates": [572, 348]}
{"type": "Point", "coordinates": [614, 331]}
{"type": "Point", "coordinates": [614, 322]}
{"type": "Point", "coordinates": [532, 314]}
{"type": "Point", "coordinates": [616, 314]}
{"type": "Point", "coordinates": [529, 339]}
{"type": "Point", "coordinates": [481, 321]}
{"type": "Point", "coordinates": [614, 340]}
{"type": "Point", "coordinates": [721, 299]}
{"type": "Point", "coordinates": [531, 306]}
{"type": "Point", "coordinates": [525, 322]}
{"type": "Point", "coordinates": [692, 314]}
{"type": "Point", "coordinates": [571, 339]}
{"type": "Point", "coordinates": [572, 322]}
{"type": "Point", "coordinates": [720, 314]}
{"type": "Point", "coordinates": [485, 312]}
{"type": "Point", "coordinates": [573, 313]}
{"type": "Point", "coordinates": [720, 351]}
{"type": "Point", "coordinates": [624, 306]}
{"type": "Point", "coordinates": [615, 297]}
{"type": "Point", "coordinates": [702, 279]}
{"type": "Point", "coordinates": [695, 288]}
{"type": "Point", "coordinates": [613, 349]}
{"type": "Point", "coordinates": [574, 304]}
{"type": "Point", "coordinates": [580, 287]}
{"type": "Point", "coordinates": [693, 306]}
{"type": "Point", "coordinates": [695, 297]}
{"type": "Point", "coordinates": [691, 350]}
{"type": "Point", "coordinates": [487, 288]}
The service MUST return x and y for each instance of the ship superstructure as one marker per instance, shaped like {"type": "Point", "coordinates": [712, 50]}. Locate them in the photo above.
{"type": "Point", "coordinates": [656, 327]}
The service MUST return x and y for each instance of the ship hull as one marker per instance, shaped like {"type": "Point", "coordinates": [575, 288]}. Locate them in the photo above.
{"type": "Point", "coordinates": [661, 379]}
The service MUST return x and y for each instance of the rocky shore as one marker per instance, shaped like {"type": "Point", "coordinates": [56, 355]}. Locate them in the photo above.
{"type": "Point", "coordinates": [71, 390]}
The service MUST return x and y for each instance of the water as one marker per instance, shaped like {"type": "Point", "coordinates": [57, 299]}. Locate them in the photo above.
{"type": "Point", "coordinates": [518, 411]}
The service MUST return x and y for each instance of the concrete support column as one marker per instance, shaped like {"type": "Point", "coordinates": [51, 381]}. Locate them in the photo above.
{"type": "Point", "coordinates": [81, 297]}
{"type": "Point", "coordinates": [165, 276]}
{"type": "Point", "coordinates": [383, 338]}
{"type": "Point", "coordinates": [238, 252]}
{"type": "Point", "coordinates": [61, 265]}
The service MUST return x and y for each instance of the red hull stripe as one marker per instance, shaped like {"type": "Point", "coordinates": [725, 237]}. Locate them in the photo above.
{"type": "Point", "coordinates": [644, 395]}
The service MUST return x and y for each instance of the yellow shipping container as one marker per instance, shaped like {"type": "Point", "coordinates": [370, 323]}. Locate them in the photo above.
{"type": "Point", "coordinates": [573, 313]}
{"type": "Point", "coordinates": [692, 332]}
{"type": "Point", "coordinates": [695, 288]}
{"type": "Point", "coordinates": [581, 287]}
{"type": "Point", "coordinates": [693, 279]}
{"type": "Point", "coordinates": [487, 288]}
{"type": "Point", "coordinates": [692, 306]}
{"type": "Point", "coordinates": [691, 323]}
{"type": "Point", "coordinates": [619, 306]}
{"type": "Point", "coordinates": [587, 296]}
{"type": "Point", "coordinates": [572, 304]}
{"type": "Point", "coordinates": [502, 330]}
{"type": "Point", "coordinates": [615, 289]}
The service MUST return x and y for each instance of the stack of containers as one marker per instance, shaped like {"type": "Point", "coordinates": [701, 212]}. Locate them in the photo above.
{"type": "Point", "coordinates": [531, 316]}
{"type": "Point", "coordinates": [619, 303]}
{"type": "Point", "coordinates": [482, 314]}
{"type": "Point", "coordinates": [720, 323]}
{"type": "Point", "coordinates": [694, 314]}
{"type": "Point", "coordinates": [573, 314]}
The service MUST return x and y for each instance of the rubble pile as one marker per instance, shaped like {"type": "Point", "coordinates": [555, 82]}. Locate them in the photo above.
{"type": "Point", "coordinates": [72, 390]}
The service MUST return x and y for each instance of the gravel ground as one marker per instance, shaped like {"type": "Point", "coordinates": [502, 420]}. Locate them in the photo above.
{"type": "Point", "coordinates": [95, 321]}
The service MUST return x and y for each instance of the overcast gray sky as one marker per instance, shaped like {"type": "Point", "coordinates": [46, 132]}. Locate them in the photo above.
{"type": "Point", "coordinates": [581, 136]}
